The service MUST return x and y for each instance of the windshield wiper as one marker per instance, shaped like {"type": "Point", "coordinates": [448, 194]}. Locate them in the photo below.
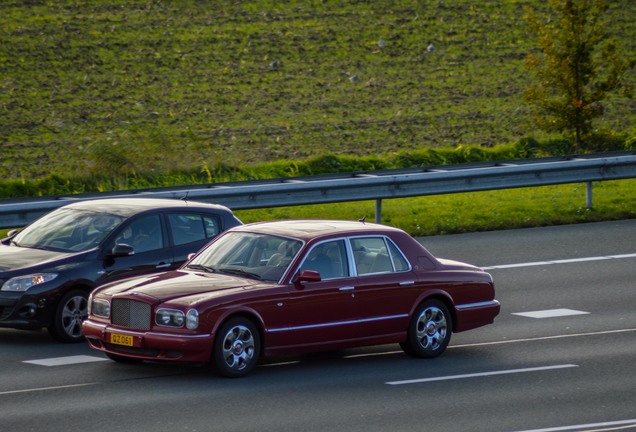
{"type": "Point", "coordinates": [201, 267]}
{"type": "Point", "coordinates": [241, 272]}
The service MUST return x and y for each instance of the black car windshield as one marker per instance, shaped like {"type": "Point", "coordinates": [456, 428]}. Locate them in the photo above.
{"type": "Point", "coordinates": [256, 256]}
{"type": "Point", "coordinates": [69, 230]}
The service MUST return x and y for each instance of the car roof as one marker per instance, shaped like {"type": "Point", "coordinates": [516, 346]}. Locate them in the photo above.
{"type": "Point", "coordinates": [131, 206]}
{"type": "Point", "coordinates": [307, 229]}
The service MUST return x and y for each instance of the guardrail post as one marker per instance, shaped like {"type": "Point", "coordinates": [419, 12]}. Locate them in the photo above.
{"type": "Point", "coordinates": [588, 195]}
{"type": "Point", "coordinates": [378, 211]}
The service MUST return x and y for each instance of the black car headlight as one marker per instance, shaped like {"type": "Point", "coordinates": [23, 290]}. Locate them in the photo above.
{"type": "Point", "coordinates": [23, 283]}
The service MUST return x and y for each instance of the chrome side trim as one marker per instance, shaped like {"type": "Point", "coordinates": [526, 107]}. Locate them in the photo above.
{"type": "Point", "coordinates": [477, 305]}
{"type": "Point", "coordinates": [336, 323]}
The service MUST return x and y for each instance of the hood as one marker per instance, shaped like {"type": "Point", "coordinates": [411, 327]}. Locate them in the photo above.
{"type": "Point", "coordinates": [178, 283]}
{"type": "Point", "coordinates": [18, 258]}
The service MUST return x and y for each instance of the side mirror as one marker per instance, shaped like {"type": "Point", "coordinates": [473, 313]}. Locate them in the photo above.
{"type": "Point", "coordinates": [10, 235]}
{"type": "Point", "coordinates": [122, 250]}
{"type": "Point", "coordinates": [306, 276]}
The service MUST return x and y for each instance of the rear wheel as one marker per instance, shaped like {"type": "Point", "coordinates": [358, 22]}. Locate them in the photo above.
{"type": "Point", "coordinates": [236, 348]}
{"type": "Point", "coordinates": [429, 331]}
{"type": "Point", "coordinates": [71, 311]}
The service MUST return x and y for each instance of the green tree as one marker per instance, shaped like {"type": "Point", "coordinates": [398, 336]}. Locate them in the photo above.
{"type": "Point", "coordinates": [579, 64]}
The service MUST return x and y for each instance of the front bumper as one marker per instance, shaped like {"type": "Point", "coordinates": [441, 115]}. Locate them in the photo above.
{"type": "Point", "coordinates": [22, 311]}
{"type": "Point", "coordinates": [149, 345]}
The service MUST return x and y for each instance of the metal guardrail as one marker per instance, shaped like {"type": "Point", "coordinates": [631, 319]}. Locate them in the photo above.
{"type": "Point", "coordinates": [372, 185]}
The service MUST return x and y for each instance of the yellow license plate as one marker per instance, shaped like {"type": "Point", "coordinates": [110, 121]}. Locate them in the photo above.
{"type": "Point", "coordinates": [121, 339]}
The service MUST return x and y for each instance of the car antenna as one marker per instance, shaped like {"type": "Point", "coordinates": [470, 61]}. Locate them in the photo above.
{"type": "Point", "coordinates": [363, 220]}
{"type": "Point", "coordinates": [185, 197]}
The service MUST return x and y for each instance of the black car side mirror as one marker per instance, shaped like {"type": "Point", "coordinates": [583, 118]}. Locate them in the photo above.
{"type": "Point", "coordinates": [122, 250]}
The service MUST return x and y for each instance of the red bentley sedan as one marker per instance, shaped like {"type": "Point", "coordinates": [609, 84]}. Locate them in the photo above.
{"type": "Point", "coordinates": [287, 287]}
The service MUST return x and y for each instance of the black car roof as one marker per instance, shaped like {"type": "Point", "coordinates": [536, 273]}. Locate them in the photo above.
{"type": "Point", "coordinates": [131, 206]}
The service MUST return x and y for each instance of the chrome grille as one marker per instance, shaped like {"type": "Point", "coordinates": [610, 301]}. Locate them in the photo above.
{"type": "Point", "coordinates": [131, 314]}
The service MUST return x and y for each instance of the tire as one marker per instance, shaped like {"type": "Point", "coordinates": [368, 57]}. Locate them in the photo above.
{"type": "Point", "coordinates": [69, 314]}
{"type": "Point", "coordinates": [122, 359]}
{"type": "Point", "coordinates": [237, 347]}
{"type": "Point", "coordinates": [429, 331]}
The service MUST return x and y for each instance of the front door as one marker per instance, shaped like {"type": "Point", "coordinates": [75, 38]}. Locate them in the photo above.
{"type": "Point", "coordinates": [146, 236]}
{"type": "Point", "coordinates": [323, 311]}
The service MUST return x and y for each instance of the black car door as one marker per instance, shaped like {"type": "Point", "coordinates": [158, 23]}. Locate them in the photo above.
{"type": "Point", "coordinates": [190, 231]}
{"type": "Point", "coordinates": [147, 236]}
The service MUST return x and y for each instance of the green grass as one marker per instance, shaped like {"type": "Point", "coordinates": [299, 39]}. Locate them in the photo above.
{"type": "Point", "coordinates": [119, 87]}
{"type": "Point", "coordinates": [479, 211]}
{"type": "Point", "coordinates": [98, 95]}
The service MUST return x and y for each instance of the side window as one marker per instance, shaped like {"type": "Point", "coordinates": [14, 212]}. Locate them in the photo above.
{"type": "Point", "coordinates": [400, 263]}
{"type": "Point", "coordinates": [212, 226]}
{"type": "Point", "coordinates": [188, 228]}
{"type": "Point", "coordinates": [370, 255]}
{"type": "Point", "coordinates": [377, 255]}
{"type": "Point", "coordinates": [329, 259]}
{"type": "Point", "coordinates": [144, 234]}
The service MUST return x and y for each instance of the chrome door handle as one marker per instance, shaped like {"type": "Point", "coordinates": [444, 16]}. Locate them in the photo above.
{"type": "Point", "coordinates": [346, 288]}
{"type": "Point", "coordinates": [406, 283]}
{"type": "Point", "coordinates": [163, 265]}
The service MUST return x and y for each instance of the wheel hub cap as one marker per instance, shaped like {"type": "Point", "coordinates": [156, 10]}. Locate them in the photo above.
{"type": "Point", "coordinates": [431, 329]}
{"type": "Point", "coordinates": [238, 348]}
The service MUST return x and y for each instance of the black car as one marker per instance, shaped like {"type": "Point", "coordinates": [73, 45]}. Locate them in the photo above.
{"type": "Point", "coordinates": [48, 269]}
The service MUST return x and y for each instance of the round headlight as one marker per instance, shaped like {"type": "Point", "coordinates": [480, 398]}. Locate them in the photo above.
{"type": "Point", "coordinates": [192, 319]}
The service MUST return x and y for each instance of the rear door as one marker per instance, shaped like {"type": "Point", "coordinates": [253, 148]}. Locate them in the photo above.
{"type": "Point", "coordinates": [189, 232]}
{"type": "Point", "coordinates": [385, 289]}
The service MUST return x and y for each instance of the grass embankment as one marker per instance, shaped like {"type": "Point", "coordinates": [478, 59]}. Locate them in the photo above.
{"type": "Point", "coordinates": [111, 94]}
{"type": "Point", "coordinates": [479, 211]}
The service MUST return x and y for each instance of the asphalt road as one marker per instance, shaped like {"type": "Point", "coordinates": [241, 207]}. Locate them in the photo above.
{"type": "Point", "coordinates": [560, 357]}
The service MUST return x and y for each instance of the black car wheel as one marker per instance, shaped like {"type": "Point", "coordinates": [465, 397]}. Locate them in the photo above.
{"type": "Point", "coordinates": [69, 315]}
{"type": "Point", "coordinates": [429, 331]}
{"type": "Point", "coordinates": [236, 348]}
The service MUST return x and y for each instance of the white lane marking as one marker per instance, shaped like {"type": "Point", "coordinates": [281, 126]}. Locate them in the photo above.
{"type": "Point", "coordinates": [481, 374]}
{"type": "Point", "coordinates": [545, 338]}
{"type": "Point", "coordinates": [631, 422]}
{"type": "Point", "coordinates": [502, 342]}
{"type": "Point", "coordinates": [46, 388]}
{"type": "Point", "coordinates": [551, 313]}
{"type": "Point", "coordinates": [563, 261]}
{"type": "Point", "coordinates": [63, 361]}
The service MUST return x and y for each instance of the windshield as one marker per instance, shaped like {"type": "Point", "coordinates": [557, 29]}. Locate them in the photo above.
{"type": "Point", "coordinates": [257, 256]}
{"type": "Point", "coordinates": [68, 230]}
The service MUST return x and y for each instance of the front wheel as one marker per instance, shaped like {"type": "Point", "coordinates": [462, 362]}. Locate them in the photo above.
{"type": "Point", "coordinates": [69, 315]}
{"type": "Point", "coordinates": [236, 348]}
{"type": "Point", "coordinates": [429, 331]}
